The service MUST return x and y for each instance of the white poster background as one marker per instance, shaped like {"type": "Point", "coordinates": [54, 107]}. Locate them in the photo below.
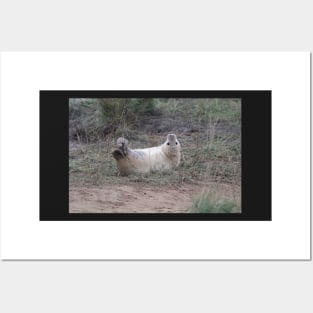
{"type": "Point", "coordinates": [24, 74]}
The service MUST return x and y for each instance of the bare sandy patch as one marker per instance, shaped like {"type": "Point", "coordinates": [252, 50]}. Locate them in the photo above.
{"type": "Point", "coordinates": [134, 199]}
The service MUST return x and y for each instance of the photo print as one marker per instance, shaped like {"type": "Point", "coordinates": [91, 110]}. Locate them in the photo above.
{"type": "Point", "coordinates": [156, 155]}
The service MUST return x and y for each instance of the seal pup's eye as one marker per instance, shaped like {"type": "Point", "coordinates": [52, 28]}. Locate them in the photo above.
{"type": "Point", "coordinates": [176, 142]}
{"type": "Point", "coordinates": [168, 143]}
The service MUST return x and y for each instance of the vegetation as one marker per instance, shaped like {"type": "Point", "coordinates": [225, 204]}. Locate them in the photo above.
{"type": "Point", "coordinates": [207, 202]}
{"type": "Point", "coordinates": [92, 120]}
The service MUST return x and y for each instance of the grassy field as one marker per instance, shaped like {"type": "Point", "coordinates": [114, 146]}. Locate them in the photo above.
{"type": "Point", "coordinates": [209, 131]}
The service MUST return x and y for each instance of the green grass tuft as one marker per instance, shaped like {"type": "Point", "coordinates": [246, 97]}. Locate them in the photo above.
{"type": "Point", "coordinates": [207, 203]}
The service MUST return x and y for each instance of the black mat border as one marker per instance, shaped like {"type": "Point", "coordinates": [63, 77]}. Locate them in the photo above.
{"type": "Point", "coordinates": [256, 156]}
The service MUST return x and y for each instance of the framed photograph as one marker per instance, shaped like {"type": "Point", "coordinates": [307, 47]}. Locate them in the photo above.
{"type": "Point", "coordinates": [155, 156]}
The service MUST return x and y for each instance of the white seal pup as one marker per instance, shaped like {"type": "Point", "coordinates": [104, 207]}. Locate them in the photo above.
{"type": "Point", "coordinates": [162, 158]}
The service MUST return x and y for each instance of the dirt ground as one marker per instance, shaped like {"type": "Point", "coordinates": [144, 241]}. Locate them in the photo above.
{"type": "Point", "coordinates": [134, 199]}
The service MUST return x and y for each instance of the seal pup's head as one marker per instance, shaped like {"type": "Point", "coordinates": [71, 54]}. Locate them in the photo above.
{"type": "Point", "coordinates": [171, 145]}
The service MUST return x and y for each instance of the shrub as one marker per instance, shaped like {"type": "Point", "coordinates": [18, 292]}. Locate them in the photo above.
{"type": "Point", "coordinates": [93, 119]}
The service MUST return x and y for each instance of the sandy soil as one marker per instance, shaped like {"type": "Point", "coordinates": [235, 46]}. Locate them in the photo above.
{"type": "Point", "coordinates": [132, 199]}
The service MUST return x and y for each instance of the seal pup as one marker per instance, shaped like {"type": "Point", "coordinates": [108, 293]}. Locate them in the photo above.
{"type": "Point", "coordinates": [165, 157]}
